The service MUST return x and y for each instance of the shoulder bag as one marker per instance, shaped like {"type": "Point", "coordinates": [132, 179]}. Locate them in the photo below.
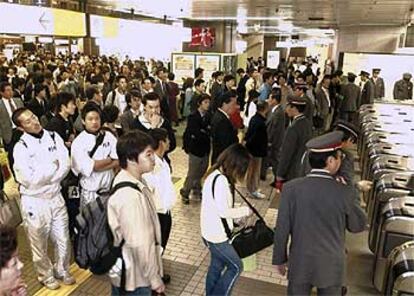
{"type": "Point", "coordinates": [9, 211]}
{"type": "Point", "coordinates": [249, 240]}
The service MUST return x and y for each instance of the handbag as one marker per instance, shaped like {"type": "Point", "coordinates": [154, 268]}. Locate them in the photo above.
{"type": "Point", "coordinates": [249, 240]}
{"type": "Point", "coordinates": [9, 211]}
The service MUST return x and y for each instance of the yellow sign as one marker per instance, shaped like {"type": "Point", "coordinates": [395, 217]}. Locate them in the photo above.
{"type": "Point", "coordinates": [68, 23]}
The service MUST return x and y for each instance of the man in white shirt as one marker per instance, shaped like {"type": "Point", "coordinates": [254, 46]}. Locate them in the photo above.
{"type": "Point", "coordinates": [94, 155]}
{"type": "Point", "coordinates": [42, 162]}
{"type": "Point", "coordinates": [161, 182]}
{"type": "Point", "coordinates": [117, 96]}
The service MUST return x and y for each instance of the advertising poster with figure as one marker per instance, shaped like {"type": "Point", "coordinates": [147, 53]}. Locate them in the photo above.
{"type": "Point", "coordinates": [183, 66]}
{"type": "Point", "coordinates": [203, 37]}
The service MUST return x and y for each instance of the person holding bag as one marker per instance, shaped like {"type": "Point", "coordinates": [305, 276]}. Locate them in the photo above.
{"type": "Point", "coordinates": [218, 204]}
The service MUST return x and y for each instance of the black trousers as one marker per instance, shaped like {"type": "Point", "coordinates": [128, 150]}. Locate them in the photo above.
{"type": "Point", "coordinates": [165, 222]}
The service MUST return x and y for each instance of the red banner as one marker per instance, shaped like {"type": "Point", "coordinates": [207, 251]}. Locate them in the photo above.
{"type": "Point", "coordinates": [203, 37]}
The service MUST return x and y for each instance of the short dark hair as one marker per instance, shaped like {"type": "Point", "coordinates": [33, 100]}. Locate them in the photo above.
{"type": "Point", "coordinates": [228, 77]}
{"type": "Point", "coordinates": [202, 98]}
{"type": "Point", "coordinates": [119, 77]}
{"type": "Point", "coordinates": [18, 81]}
{"type": "Point", "coordinates": [351, 78]}
{"type": "Point", "coordinates": [158, 134]}
{"type": "Point", "coordinates": [234, 162]}
{"type": "Point", "coordinates": [132, 93]}
{"type": "Point", "coordinates": [301, 108]}
{"type": "Point", "coordinates": [8, 244]}
{"type": "Point", "coordinates": [226, 98]}
{"type": "Point", "coordinates": [152, 96]}
{"type": "Point", "coordinates": [252, 94]}
{"type": "Point", "coordinates": [171, 76]}
{"type": "Point", "coordinates": [16, 114]}
{"type": "Point", "coordinates": [198, 82]}
{"type": "Point", "coordinates": [262, 105]}
{"type": "Point", "coordinates": [151, 79]}
{"type": "Point", "coordinates": [38, 88]}
{"type": "Point", "coordinates": [91, 91]}
{"type": "Point", "coordinates": [327, 76]}
{"type": "Point", "coordinates": [267, 75]}
{"type": "Point", "coordinates": [63, 99]}
{"type": "Point", "coordinates": [240, 71]}
{"type": "Point", "coordinates": [198, 71]}
{"type": "Point", "coordinates": [91, 107]}
{"type": "Point", "coordinates": [251, 71]}
{"type": "Point", "coordinates": [3, 85]}
{"type": "Point", "coordinates": [159, 70]}
{"type": "Point", "coordinates": [276, 94]}
{"type": "Point", "coordinates": [110, 113]}
{"type": "Point", "coordinates": [130, 145]}
{"type": "Point", "coordinates": [318, 160]}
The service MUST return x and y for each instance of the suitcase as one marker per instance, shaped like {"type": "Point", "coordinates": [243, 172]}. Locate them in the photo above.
{"type": "Point", "coordinates": [393, 185]}
{"type": "Point", "coordinates": [395, 231]}
{"type": "Point", "coordinates": [400, 271]}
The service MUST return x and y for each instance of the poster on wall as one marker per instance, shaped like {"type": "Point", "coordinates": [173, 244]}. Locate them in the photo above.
{"type": "Point", "coordinates": [273, 59]}
{"type": "Point", "coordinates": [183, 66]}
{"type": "Point", "coordinates": [203, 37]}
{"type": "Point", "coordinates": [229, 64]}
{"type": "Point", "coordinates": [210, 64]}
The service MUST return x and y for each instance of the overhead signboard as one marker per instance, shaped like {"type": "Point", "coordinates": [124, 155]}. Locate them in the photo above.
{"type": "Point", "coordinates": [210, 64]}
{"type": "Point", "coordinates": [273, 57]}
{"type": "Point", "coordinates": [183, 66]}
{"type": "Point", "coordinates": [22, 19]}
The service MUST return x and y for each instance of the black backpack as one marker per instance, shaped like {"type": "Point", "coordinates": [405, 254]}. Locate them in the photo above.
{"type": "Point", "coordinates": [94, 242]}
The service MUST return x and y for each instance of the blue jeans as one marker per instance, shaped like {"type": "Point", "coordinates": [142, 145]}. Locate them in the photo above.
{"type": "Point", "coordinates": [225, 267]}
{"type": "Point", "coordinates": [141, 291]}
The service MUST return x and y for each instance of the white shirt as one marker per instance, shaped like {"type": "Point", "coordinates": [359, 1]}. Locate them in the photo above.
{"type": "Point", "coordinates": [35, 164]}
{"type": "Point", "coordinates": [326, 91]}
{"type": "Point", "coordinates": [213, 209]}
{"type": "Point", "coordinates": [6, 103]}
{"type": "Point", "coordinates": [161, 183]}
{"type": "Point", "coordinates": [119, 100]}
{"type": "Point", "coordinates": [83, 164]}
{"type": "Point", "coordinates": [252, 111]}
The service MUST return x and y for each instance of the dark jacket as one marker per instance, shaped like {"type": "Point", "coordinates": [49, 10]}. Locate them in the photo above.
{"type": "Point", "coordinates": [314, 212]}
{"type": "Point", "coordinates": [275, 131]}
{"type": "Point", "coordinates": [367, 94]}
{"type": "Point", "coordinates": [61, 126]}
{"type": "Point", "coordinates": [351, 96]}
{"type": "Point", "coordinates": [241, 91]}
{"type": "Point", "coordinates": [379, 88]}
{"type": "Point", "coordinates": [196, 138]}
{"type": "Point", "coordinates": [127, 120]}
{"type": "Point", "coordinates": [38, 109]}
{"type": "Point", "coordinates": [293, 148]}
{"type": "Point", "coordinates": [165, 125]}
{"type": "Point", "coordinates": [223, 134]}
{"type": "Point", "coordinates": [256, 136]}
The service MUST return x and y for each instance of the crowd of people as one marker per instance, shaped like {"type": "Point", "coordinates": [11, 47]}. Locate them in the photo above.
{"type": "Point", "coordinates": [75, 126]}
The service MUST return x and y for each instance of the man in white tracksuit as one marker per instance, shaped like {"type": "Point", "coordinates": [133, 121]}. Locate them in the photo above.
{"type": "Point", "coordinates": [96, 171]}
{"type": "Point", "coordinates": [41, 162]}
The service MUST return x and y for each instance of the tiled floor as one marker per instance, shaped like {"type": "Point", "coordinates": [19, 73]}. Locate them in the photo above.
{"type": "Point", "coordinates": [186, 258]}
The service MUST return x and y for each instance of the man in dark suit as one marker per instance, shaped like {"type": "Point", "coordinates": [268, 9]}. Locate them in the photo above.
{"type": "Point", "coordinates": [256, 143]}
{"type": "Point", "coordinates": [293, 147]}
{"type": "Point", "coordinates": [314, 212]}
{"type": "Point", "coordinates": [223, 133]}
{"type": "Point", "coordinates": [160, 89]}
{"type": "Point", "coordinates": [299, 90]}
{"type": "Point", "coordinates": [351, 95]}
{"type": "Point", "coordinates": [367, 94]}
{"type": "Point", "coordinates": [8, 133]}
{"type": "Point", "coordinates": [241, 87]}
{"type": "Point", "coordinates": [379, 85]}
{"type": "Point", "coordinates": [275, 132]}
{"type": "Point", "coordinates": [39, 105]}
{"type": "Point", "coordinates": [196, 143]}
{"type": "Point", "coordinates": [133, 99]}
{"type": "Point", "coordinates": [324, 103]}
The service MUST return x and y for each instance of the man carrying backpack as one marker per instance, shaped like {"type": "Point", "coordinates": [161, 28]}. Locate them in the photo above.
{"type": "Point", "coordinates": [133, 220]}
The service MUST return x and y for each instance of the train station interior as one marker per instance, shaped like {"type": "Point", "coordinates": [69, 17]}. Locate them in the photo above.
{"type": "Point", "coordinates": [276, 83]}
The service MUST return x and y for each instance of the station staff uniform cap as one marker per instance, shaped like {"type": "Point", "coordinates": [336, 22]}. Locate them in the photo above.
{"type": "Point", "coordinates": [376, 70]}
{"type": "Point", "coordinates": [364, 73]}
{"type": "Point", "coordinates": [326, 143]}
{"type": "Point", "coordinates": [296, 101]}
{"type": "Point", "coordinates": [350, 74]}
{"type": "Point", "coordinates": [407, 75]}
{"type": "Point", "coordinates": [348, 127]}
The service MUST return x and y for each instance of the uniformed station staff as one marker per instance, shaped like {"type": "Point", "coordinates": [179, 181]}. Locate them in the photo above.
{"type": "Point", "coordinates": [314, 212]}
{"type": "Point", "coordinates": [403, 89]}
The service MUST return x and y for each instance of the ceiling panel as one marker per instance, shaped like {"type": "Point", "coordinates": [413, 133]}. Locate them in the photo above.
{"type": "Point", "coordinates": [306, 13]}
